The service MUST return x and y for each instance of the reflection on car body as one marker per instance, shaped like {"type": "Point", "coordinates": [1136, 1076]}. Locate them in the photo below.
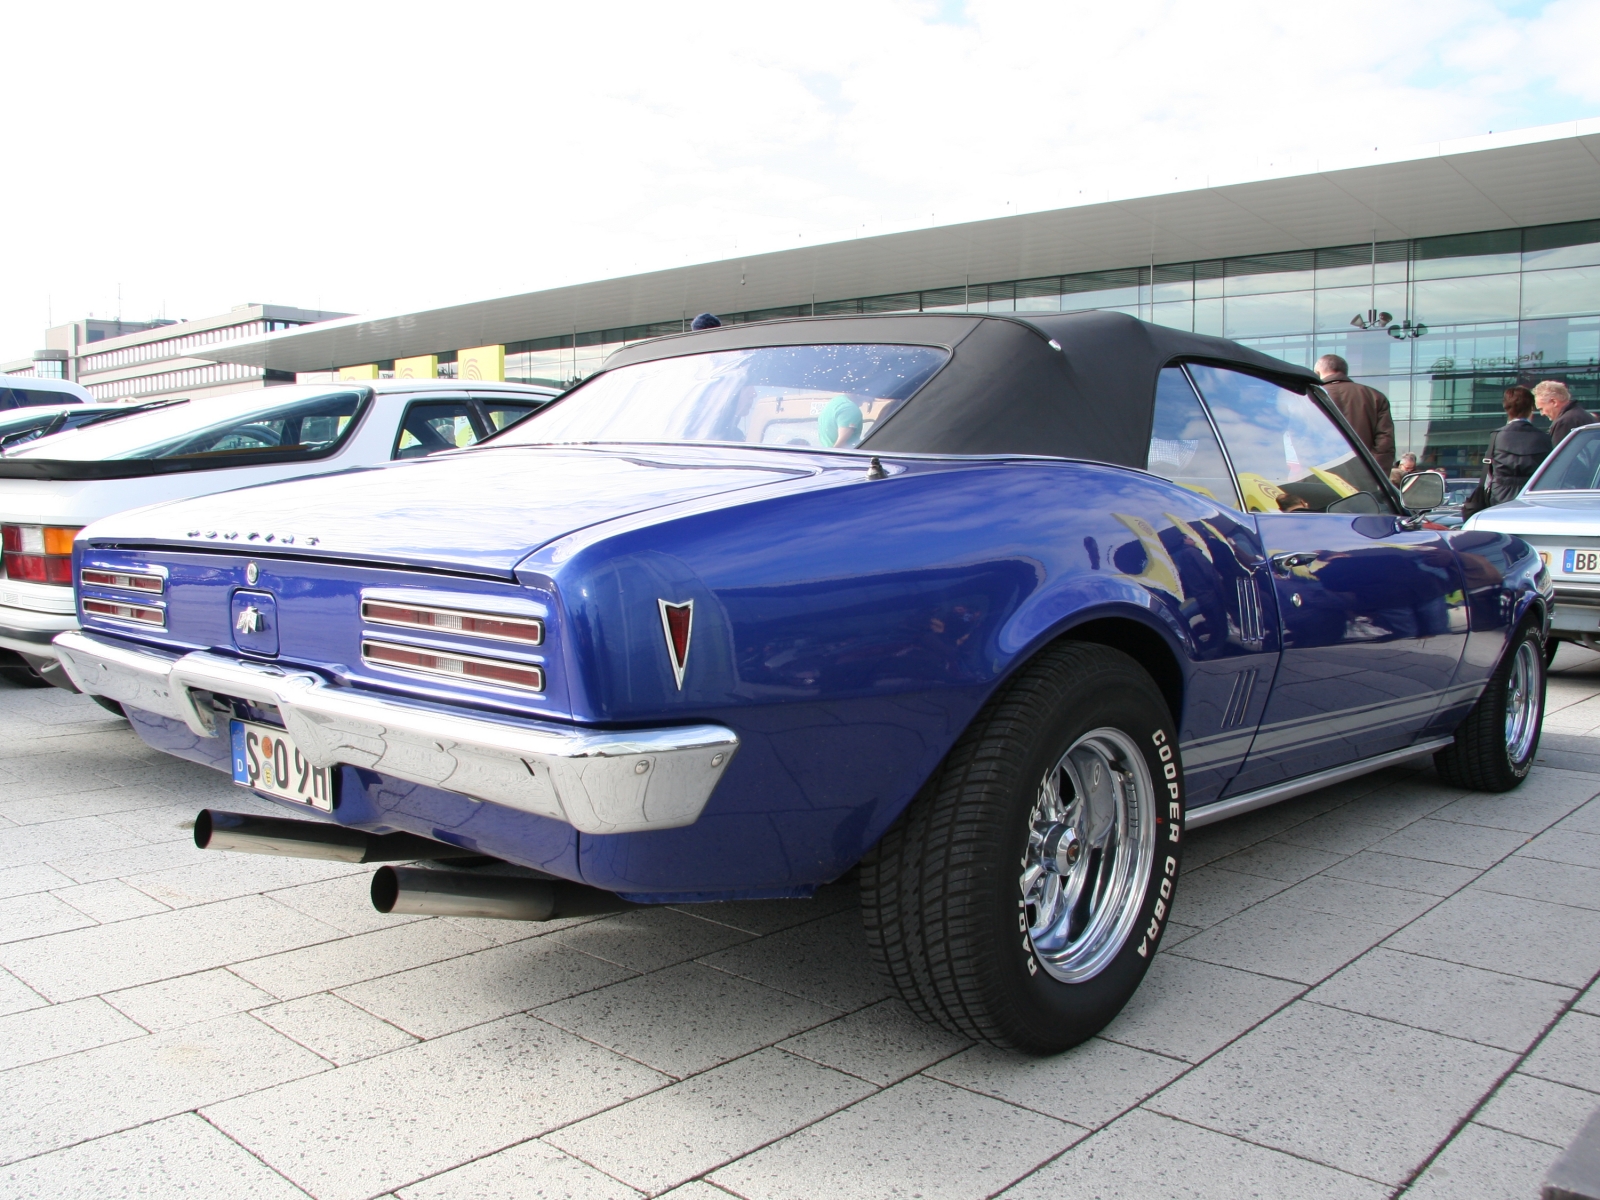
{"type": "Point", "coordinates": [1085, 583]}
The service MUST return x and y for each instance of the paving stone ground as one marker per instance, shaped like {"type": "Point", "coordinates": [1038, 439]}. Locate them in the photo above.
{"type": "Point", "coordinates": [1385, 988]}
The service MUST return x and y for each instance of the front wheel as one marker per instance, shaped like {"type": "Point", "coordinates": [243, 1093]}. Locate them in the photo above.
{"type": "Point", "coordinates": [1020, 898]}
{"type": "Point", "coordinates": [1495, 745]}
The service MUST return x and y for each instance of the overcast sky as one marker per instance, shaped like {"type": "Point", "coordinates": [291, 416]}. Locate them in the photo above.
{"type": "Point", "coordinates": [383, 157]}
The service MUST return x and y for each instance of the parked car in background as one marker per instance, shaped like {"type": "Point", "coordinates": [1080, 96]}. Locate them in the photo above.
{"type": "Point", "coordinates": [19, 425]}
{"type": "Point", "coordinates": [25, 391]}
{"type": "Point", "coordinates": [52, 486]}
{"type": "Point", "coordinates": [1558, 514]}
{"type": "Point", "coordinates": [1027, 622]}
{"type": "Point", "coordinates": [1456, 492]}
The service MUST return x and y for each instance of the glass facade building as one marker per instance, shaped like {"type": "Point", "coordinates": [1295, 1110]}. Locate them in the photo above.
{"type": "Point", "coordinates": [1440, 325]}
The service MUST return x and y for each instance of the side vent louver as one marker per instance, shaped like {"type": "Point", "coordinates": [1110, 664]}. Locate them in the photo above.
{"type": "Point", "coordinates": [1244, 685]}
{"type": "Point", "coordinates": [1250, 630]}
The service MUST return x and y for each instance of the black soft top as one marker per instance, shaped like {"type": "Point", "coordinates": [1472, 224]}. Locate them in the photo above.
{"type": "Point", "coordinates": [1006, 388]}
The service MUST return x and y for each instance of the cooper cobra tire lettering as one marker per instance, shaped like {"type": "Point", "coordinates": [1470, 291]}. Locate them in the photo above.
{"type": "Point", "coordinates": [947, 916]}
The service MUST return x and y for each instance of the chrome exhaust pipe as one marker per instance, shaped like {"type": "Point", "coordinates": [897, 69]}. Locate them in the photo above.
{"type": "Point", "coordinates": [289, 838]}
{"type": "Point", "coordinates": [503, 897]}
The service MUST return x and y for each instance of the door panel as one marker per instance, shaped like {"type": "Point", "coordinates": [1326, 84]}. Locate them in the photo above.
{"type": "Point", "coordinates": [1374, 622]}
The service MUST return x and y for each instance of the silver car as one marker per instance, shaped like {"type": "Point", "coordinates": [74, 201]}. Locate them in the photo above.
{"type": "Point", "coordinates": [1558, 514]}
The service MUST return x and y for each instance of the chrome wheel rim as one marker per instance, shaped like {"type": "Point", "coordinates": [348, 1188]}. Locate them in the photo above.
{"type": "Point", "coordinates": [1090, 839]}
{"type": "Point", "coordinates": [1523, 699]}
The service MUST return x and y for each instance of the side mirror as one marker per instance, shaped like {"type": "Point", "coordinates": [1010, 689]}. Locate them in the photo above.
{"type": "Point", "coordinates": [1422, 491]}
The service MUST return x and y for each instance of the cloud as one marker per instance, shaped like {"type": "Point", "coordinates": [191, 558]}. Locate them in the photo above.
{"type": "Point", "coordinates": [381, 157]}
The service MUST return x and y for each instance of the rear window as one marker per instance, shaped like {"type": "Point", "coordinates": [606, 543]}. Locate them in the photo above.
{"type": "Point", "coordinates": [15, 397]}
{"type": "Point", "coordinates": [307, 424]}
{"type": "Point", "coordinates": [828, 397]}
{"type": "Point", "coordinates": [1575, 467]}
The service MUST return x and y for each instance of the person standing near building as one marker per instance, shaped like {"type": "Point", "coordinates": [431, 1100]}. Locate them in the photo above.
{"type": "Point", "coordinates": [1367, 409]}
{"type": "Point", "coordinates": [1406, 466]}
{"type": "Point", "coordinates": [1515, 449]}
{"type": "Point", "coordinates": [1555, 402]}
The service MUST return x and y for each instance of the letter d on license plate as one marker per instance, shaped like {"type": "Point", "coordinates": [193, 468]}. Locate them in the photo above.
{"type": "Point", "coordinates": [265, 759]}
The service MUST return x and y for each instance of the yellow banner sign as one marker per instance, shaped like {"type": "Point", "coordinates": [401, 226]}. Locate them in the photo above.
{"type": "Point", "coordinates": [482, 362]}
{"type": "Point", "coordinates": [364, 371]}
{"type": "Point", "coordinates": [424, 366]}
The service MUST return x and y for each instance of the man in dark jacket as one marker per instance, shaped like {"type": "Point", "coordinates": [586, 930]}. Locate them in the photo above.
{"type": "Point", "coordinates": [1555, 402]}
{"type": "Point", "coordinates": [1367, 409]}
{"type": "Point", "coordinates": [1515, 449]}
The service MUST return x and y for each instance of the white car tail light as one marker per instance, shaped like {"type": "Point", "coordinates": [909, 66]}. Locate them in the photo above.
{"type": "Point", "coordinates": [525, 676]}
{"type": "Point", "coordinates": [496, 626]}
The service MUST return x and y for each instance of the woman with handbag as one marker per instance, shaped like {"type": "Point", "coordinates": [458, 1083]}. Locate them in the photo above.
{"type": "Point", "coordinates": [1515, 451]}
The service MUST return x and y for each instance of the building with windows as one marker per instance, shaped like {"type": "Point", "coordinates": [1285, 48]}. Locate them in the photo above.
{"type": "Point", "coordinates": [1443, 276]}
{"type": "Point", "coordinates": [145, 360]}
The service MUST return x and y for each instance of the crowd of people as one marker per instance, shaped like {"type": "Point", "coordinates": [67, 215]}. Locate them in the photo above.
{"type": "Point", "coordinates": [1515, 449]}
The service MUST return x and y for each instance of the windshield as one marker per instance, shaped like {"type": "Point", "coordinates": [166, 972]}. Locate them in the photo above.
{"type": "Point", "coordinates": [815, 396]}
{"type": "Point", "coordinates": [1574, 467]}
{"type": "Point", "coordinates": [1456, 491]}
{"type": "Point", "coordinates": [279, 421]}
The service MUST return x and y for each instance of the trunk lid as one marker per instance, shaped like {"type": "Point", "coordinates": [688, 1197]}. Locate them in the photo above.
{"type": "Point", "coordinates": [478, 512]}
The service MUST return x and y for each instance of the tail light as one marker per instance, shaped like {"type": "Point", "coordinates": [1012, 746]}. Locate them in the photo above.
{"type": "Point", "coordinates": [38, 553]}
{"type": "Point", "coordinates": [455, 666]}
{"type": "Point", "coordinates": [498, 626]}
{"type": "Point", "coordinates": [113, 610]}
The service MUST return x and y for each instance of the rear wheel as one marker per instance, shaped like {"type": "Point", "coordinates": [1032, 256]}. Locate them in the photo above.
{"type": "Point", "coordinates": [1021, 896]}
{"type": "Point", "coordinates": [1495, 745]}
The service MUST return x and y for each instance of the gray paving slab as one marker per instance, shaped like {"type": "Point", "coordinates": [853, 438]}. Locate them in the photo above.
{"type": "Point", "coordinates": [60, 1101]}
{"type": "Point", "coordinates": [188, 999]}
{"type": "Point", "coordinates": [1212, 894]}
{"type": "Point", "coordinates": [333, 963]}
{"type": "Point", "coordinates": [1369, 902]}
{"type": "Point", "coordinates": [421, 1110]}
{"type": "Point", "coordinates": [31, 877]}
{"type": "Point", "coordinates": [333, 1028]}
{"type": "Point", "coordinates": [1537, 879]}
{"type": "Point", "coordinates": [1527, 810]}
{"type": "Point", "coordinates": [1584, 820]}
{"type": "Point", "coordinates": [1565, 846]}
{"type": "Point", "coordinates": [105, 958]}
{"type": "Point", "coordinates": [32, 916]}
{"type": "Point", "coordinates": [344, 901]}
{"type": "Point", "coordinates": [670, 1136]}
{"type": "Point", "coordinates": [1144, 1155]}
{"type": "Point", "coordinates": [215, 875]}
{"type": "Point", "coordinates": [648, 939]}
{"type": "Point", "coordinates": [1413, 874]}
{"type": "Point", "coordinates": [687, 1018]}
{"type": "Point", "coordinates": [1539, 1109]}
{"type": "Point", "coordinates": [823, 961]}
{"type": "Point", "coordinates": [1589, 1002]}
{"type": "Point", "coordinates": [882, 1043]}
{"type": "Point", "coordinates": [50, 1032]}
{"type": "Point", "coordinates": [1446, 997]}
{"type": "Point", "coordinates": [1569, 1053]}
{"type": "Point", "coordinates": [109, 900]}
{"type": "Point", "coordinates": [762, 917]}
{"type": "Point", "coordinates": [176, 1157]}
{"type": "Point", "coordinates": [529, 1171]}
{"type": "Point", "coordinates": [1483, 1164]}
{"type": "Point", "coordinates": [15, 996]}
{"type": "Point", "coordinates": [1279, 860]}
{"type": "Point", "coordinates": [921, 1138]}
{"type": "Point", "coordinates": [1189, 1009]}
{"type": "Point", "coordinates": [484, 986]}
{"type": "Point", "coordinates": [1088, 1085]}
{"type": "Point", "coordinates": [1452, 843]}
{"type": "Point", "coordinates": [126, 861]}
{"type": "Point", "coordinates": [1337, 832]}
{"type": "Point", "coordinates": [62, 840]}
{"type": "Point", "coordinates": [1284, 941]}
{"type": "Point", "coordinates": [1338, 1088]}
{"type": "Point", "coordinates": [1553, 943]}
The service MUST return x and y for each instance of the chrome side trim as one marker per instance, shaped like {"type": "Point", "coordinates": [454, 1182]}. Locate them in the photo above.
{"type": "Point", "coordinates": [597, 781]}
{"type": "Point", "coordinates": [1289, 789]}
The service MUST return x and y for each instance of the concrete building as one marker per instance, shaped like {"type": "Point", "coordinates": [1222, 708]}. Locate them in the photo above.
{"type": "Point", "coordinates": [144, 360]}
{"type": "Point", "coordinates": [1443, 275]}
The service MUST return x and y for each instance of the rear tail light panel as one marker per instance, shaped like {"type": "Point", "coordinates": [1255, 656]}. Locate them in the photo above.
{"type": "Point", "coordinates": [145, 582]}
{"type": "Point", "coordinates": [437, 661]}
{"type": "Point", "coordinates": [499, 627]}
{"type": "Point", "coordinates": [126, 612]}
{"type": "Point", "coordinates": [37, 553]}
{"type": "Point", "coordinates": [484, 643]}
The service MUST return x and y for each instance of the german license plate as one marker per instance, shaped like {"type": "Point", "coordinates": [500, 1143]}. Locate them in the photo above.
{"type": "Point", "coordinates": [265, 759]}
{"type": "Point", "coordinates": [1581, 562]}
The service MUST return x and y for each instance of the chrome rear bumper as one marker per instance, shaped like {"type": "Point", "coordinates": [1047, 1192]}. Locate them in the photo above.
{"type": "Point", "coordinates": [596, 781]}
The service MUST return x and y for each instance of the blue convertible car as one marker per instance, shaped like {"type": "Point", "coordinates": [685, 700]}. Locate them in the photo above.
{"type": "Point", "coordinates": [996, 609]}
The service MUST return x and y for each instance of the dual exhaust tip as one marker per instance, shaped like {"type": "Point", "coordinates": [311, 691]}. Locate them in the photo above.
{"type": "Point", "coordinates": [407, 890]}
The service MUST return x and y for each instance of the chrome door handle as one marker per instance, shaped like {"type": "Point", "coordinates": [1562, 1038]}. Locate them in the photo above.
{"type": "Point", "coordinates": [1284, 563]}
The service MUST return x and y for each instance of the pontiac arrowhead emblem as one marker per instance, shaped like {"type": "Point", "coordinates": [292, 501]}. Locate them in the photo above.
{"type": "Point", "coordinates": [677, 622]}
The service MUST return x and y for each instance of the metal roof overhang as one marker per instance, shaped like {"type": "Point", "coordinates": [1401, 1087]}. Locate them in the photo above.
{"type": "Point", "coordinates": [1532, 177]}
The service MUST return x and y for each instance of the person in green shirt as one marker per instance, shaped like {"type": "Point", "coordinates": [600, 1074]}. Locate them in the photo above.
{"type": "Point", "coordinates": [839, 424]}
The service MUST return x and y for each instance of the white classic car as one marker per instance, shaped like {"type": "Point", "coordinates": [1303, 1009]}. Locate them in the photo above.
{"type": "Point", "coordinates": [175, 449]}
{"type": "Point", "coordinates": [1558, 514]}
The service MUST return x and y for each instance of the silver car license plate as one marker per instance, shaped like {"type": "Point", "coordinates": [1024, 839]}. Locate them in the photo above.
{"type": "Point", "coordinates": [265, 759]}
